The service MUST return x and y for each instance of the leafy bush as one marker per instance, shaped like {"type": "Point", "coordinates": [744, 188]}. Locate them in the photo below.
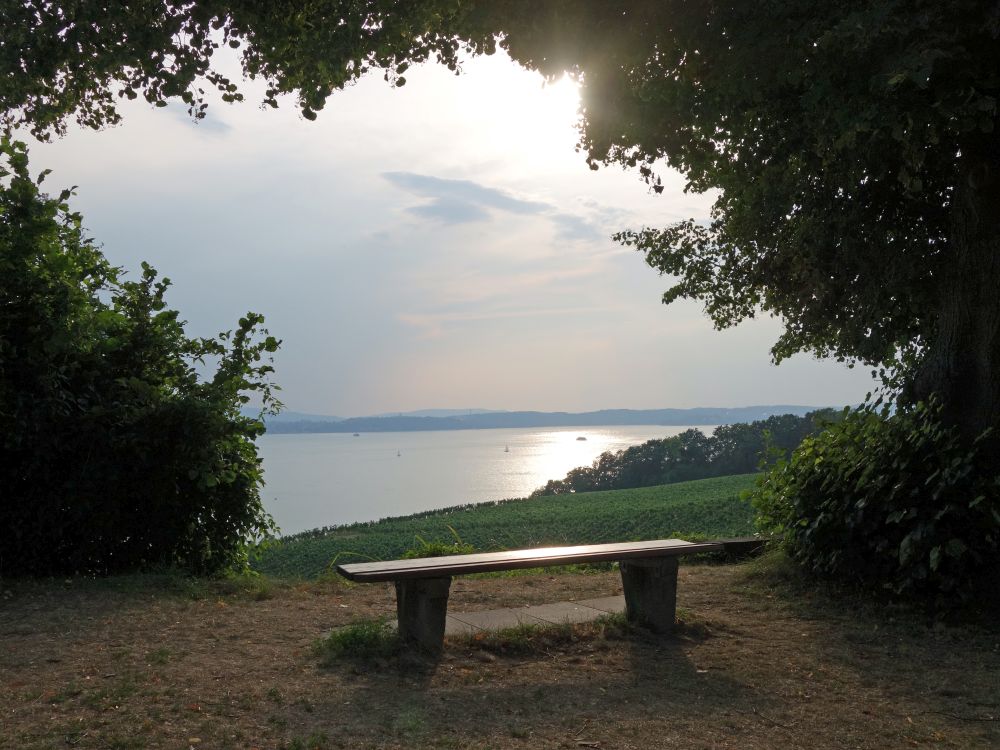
{"type": "Point", "coordinates": [436, 548]}
{"type": "Point", "coordinates": [114, 454]}
{"type": "Point", "coordinates": [889, 501]}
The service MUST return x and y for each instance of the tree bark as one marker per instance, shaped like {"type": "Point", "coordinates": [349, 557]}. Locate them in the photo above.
{"type": "Point", "coordinates": [962, 365]}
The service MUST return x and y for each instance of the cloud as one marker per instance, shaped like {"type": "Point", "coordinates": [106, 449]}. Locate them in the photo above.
{"type": "Point", "coordinates": [451, 211]}
{"type": "Point", "coordinates": [434, 324]}
{"type": "Point", "coordinates": [572, 227]}
{"type": "Point", "coordinates": [604, 214]}
{"type": "Point", "coordinates": [465, 201]}
{"type": "Point", "coordinates": [447, 194]}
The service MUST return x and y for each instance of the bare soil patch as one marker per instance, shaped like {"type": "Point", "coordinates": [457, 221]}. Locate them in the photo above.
{"type": "Point", "coordinates": [758, 663]}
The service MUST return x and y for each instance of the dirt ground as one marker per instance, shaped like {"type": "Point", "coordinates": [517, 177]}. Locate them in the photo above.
{"type": "Point", "coordinates": [758, 663]}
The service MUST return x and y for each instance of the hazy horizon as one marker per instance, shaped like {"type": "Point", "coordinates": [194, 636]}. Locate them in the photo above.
{"type": "Point", "coordinates": [291, 414]}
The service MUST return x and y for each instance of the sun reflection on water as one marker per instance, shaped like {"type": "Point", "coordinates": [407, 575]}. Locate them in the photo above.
{"type": "Point", "coordinates": [328, 478]}
{"type": "Point", "coordinates": [553, 453]}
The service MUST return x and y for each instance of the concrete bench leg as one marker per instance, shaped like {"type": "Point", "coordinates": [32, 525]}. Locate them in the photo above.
{"type": "Point", "coordinates": [421, 608]}
{"type": "Point", "coordinates": [651, 592]}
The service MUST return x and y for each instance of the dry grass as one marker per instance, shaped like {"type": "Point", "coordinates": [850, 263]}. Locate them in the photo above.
{"type": "Point", "coordinates": [759, 663]}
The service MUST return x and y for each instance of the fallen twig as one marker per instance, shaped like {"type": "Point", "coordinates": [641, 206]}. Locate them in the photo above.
{"type": "Point", "coordinates": [967, 718]}
{"type": "Point", "coordinates": [755, 712]}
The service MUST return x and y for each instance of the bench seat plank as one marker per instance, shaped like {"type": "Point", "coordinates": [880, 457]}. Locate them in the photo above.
{"type": "Point", "coordinates": [484, 562]}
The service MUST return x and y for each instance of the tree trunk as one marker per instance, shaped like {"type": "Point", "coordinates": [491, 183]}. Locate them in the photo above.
{"type": "Point", "coordinates": [963, 361]}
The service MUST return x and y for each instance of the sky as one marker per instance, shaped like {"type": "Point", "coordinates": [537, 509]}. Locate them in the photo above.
{"type": "Point", "coordinates": [439, 245]}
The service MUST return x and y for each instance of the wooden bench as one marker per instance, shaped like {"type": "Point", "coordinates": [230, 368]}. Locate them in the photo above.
{"type": "Point", "coordinates": [648, 569]}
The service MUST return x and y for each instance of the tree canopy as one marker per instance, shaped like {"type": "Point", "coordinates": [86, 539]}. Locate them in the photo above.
{"type": "Point", "coordinates": [853, 144]}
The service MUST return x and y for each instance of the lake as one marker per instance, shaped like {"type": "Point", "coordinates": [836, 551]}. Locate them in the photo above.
{"type": "Point", "coordinates": [322, 479]}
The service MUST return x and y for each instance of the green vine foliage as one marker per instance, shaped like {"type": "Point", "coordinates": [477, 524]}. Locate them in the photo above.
{"type": "Point", "coordinates": [115, 454]}
{"type": "Point", "coordinates": [892, 501]}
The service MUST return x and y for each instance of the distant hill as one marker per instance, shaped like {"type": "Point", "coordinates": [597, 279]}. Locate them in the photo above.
{"type": "Point", "coordinates": [439, 413]}
{"type": "Point", "coordinates": [482, 420]}
{"type": "Point", "coordinates": [291, 416]}
{"type": "Point", "coordinates": [300, 416]}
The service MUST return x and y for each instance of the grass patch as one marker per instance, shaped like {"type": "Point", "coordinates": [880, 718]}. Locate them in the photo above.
{"type": "Point", "coordinates": [249, 585]}
{"type": "Point", "coordinates": [315, 741]}
{"type": "Point", "coordinates": [410, 722]}
{"type": "Point", "coordinates": [362, 640]}
{"type": "Point", "coordinates": [111, 697]}
{"type": "Point", "coordinates": [72, 690]}
{"type": "Point", "coordinates": [436, 548]}
{"type": "Point", "coordinates": [159, 656]}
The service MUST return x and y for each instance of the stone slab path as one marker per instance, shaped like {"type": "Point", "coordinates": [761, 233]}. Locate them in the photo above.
{"type": "Point", "coordinates": [585, 610]}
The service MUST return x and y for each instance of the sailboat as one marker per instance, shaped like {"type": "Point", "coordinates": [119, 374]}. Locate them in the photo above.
{"type": "Point", "coordinates": [506, 449]}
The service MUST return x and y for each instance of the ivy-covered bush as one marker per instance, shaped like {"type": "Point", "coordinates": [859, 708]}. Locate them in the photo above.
{"type": "Point", "coordinates": [892, 501]}
{"type": "Point", "coordinates": [114, 453]}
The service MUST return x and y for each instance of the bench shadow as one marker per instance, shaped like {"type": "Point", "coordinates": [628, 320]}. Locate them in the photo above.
{"type": "Point", "coordinates": [630, 680]}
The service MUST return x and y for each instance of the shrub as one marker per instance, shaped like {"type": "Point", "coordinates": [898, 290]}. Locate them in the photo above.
{"type": "Point", "coordinates": [895, 502]}
{"type": "Point", "coordinates": [437, 548]}
{"type": "Point", "coordinates": [362, 640]}
{"type": "Point", "coordinates": [115, 454]}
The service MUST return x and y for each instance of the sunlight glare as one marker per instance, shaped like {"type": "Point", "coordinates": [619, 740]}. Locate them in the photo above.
{"type": "Point", "coordinates": [562, 450]}
{"type": "Point", "coordinates": [539, 116]}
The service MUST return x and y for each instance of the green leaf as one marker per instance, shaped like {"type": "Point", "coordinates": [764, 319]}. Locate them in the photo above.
{"type": "Point", "coordinates": [906, 549]}
{"type": "Point", "coordinates": [955, 548]}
